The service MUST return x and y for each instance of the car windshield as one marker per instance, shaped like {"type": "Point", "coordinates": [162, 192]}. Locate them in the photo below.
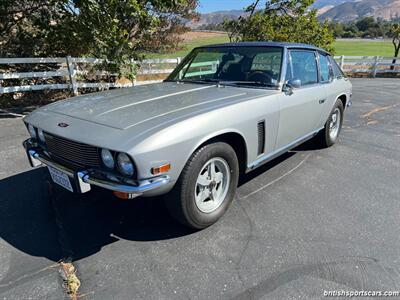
{"type": "Point", "coordinates": [244, 66]}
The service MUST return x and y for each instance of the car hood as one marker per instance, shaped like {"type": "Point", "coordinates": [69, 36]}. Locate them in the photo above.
{"type": "Point", "coordinates": [129, 107]}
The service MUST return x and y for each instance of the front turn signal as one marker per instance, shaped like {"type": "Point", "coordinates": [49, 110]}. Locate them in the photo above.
{"type": "Point", "coordinates": [161, 169]}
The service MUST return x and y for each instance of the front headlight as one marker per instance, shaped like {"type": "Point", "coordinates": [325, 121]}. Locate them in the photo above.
{"type": "Point", "coordinates": [41, 136]}
{"type": "Point", "coordinates": [125, 164]}
{"type": "Point", "coordinates": [107, 158]}
{"type": "Point", "coordinates": [32, 131]}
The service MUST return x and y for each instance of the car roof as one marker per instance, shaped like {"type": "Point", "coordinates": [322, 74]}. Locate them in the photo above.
{"type": "Point", "coordinates": [266, 44]}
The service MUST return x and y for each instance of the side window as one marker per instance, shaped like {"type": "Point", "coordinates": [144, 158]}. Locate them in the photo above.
{"type": "Point", "coordinates": [304, 66]}
{"type": "Point", "coordinates": [337, 71]}
{"type": "Point", "coordinates": [325, 68]}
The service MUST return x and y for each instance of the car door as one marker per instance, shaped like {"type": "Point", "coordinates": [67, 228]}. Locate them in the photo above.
{"type": "Point", "coordinates": [300, 110]}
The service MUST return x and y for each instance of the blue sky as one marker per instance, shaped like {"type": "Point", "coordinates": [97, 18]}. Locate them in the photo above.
{"type": "Point", "coordinates": [207, 6]}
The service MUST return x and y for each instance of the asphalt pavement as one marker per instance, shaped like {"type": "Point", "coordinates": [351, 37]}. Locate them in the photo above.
{"type": "Point", "coordinates": [310, 221]}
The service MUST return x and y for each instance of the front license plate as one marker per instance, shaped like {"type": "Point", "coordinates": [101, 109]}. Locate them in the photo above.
{"type": "Point", "coordinates": [60, 178]}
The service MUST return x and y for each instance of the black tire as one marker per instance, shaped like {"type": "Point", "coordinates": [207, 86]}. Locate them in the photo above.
{"type": "Point", "coordinates": [324, 139]}
{"type": "Point", "coordinates": [181, 200]}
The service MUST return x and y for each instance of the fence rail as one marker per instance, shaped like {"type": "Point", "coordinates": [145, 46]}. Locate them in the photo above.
{"type": "Point", "coordinates": [71, 69]}
{"type": "Point", "coordinates": [370, 65]}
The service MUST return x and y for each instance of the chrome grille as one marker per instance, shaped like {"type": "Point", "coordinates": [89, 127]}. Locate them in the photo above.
{"type": "Point", "coordinates": [76, 153]}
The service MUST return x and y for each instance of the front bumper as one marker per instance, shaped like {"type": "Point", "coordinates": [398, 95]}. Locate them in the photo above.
{"type": "Point", "coordinates": [83, 179]}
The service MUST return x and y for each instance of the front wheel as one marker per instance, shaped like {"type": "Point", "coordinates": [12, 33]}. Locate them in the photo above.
{"type": "Point", "coordinates": [206, 186]}
{"type": "Point", "coordinates": [330, 134]}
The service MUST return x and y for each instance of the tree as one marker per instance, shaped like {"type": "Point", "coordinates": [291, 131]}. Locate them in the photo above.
{"type": "Point", "coordinates": [109, 29]}
{"type": "Point", "coordinates": [282, 20]}
{"type": "Point", "coordinates": [336, 28]}
{"type": "Point", "coordinates": [365, 23]}
{"type": "Point", "coordinates": [395, 34]}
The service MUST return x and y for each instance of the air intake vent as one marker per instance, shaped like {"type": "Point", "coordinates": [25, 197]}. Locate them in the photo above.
{"type": "Point", "coordinates": [261, 137]}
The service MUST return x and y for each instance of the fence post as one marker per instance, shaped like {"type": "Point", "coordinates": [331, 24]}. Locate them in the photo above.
{"type": "Point", "coordinates": [375, 66]}
{"type": "Point", "coordinates": [72, 75]}
{"type": "Point", "coordinates": [342, 62]}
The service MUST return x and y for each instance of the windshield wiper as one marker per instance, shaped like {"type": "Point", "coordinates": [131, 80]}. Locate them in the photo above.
{"type": "Point", "coordinates": [206, 80]}
{"type": "Point", "coordinates": [229, 82]}
{"type": "Point", "coordinates": [250, 83]}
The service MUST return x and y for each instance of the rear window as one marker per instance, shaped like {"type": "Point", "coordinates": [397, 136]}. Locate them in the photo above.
{"type": "Point", "coordinates": [337, 71]}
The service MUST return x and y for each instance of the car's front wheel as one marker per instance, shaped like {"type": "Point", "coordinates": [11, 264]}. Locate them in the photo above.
{"type": "Point", "coordinates": [206, 186]}
{"type": "Point", "coordinates": [330, 134]}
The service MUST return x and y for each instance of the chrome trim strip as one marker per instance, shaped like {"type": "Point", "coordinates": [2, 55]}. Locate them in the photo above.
{"type": "Point", "coordinates": [137, 190]}
{"type": "Point", "coordinates": [263, 160]}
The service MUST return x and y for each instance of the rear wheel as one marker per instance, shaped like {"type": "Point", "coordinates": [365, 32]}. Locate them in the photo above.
{"type": "Point", "coordinates": [206, 186]}
{"type": "Point", "coordinates": [330, 134]}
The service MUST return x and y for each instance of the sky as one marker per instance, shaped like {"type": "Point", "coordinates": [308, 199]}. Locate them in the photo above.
{"type": "Point", "coordinates": [207, 6]}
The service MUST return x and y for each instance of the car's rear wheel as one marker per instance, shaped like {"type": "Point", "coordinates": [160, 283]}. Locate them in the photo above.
{"type": "Point", "coordinates": [330, 134]}
{"type": "Point", "coordinates": [206, 186]}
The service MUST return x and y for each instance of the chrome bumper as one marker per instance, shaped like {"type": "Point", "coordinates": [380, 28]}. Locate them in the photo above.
{"type": "Point", "coordinates": [83, 178]}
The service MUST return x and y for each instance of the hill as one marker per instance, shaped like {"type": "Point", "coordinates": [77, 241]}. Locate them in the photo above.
{"type": "Point", "coordinates": [338, 10]}
{"type": "Point", "coordinates": [332, 3]}
{"type": "Point", "coordinates": [215, 18]}
{"type": "Point", "coordinates": [349, 11]}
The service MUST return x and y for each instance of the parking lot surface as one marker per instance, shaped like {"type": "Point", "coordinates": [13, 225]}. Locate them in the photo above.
{"type": "Point", "coordinates": [309, 221]}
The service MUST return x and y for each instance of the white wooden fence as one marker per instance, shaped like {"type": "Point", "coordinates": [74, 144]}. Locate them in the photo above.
{"type": "Point", "coordinates": [69, 69]}
{"type": "Point", "coordinates": [72, 68]}
{"type": "Point", "coordinates": [370, 65]}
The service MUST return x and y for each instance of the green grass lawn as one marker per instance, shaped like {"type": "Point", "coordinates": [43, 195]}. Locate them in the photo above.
{"type": "Point", "coordinates": [350, 47]}
{"type": "Point", "coordinates": [364, 48]}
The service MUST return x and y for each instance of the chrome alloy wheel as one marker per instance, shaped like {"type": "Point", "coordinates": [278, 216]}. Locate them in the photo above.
{"type": "Point", "coordinates": [334, 125]}
{"type": "Point", "coordinates": [212, 185]}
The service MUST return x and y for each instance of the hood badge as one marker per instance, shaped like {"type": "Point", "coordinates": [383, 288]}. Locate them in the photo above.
{"type": "Point", "coordinates": [63, 125]}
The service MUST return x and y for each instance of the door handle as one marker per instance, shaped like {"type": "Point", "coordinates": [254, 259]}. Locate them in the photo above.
{"type": "Point", "coordinates": [322, 101]}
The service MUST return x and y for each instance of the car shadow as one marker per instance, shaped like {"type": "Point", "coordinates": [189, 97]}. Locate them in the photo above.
{"type": "Point", "coordinates": [244, 178]}
{"type": "Point", "coordinates": [309, 145]}
{"type": "Point", "coordinates": [56, 224]}
{"type": "Point", "coordinates": [41, 219]}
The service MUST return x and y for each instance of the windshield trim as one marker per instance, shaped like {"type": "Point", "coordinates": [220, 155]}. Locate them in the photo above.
{"type": "Point", "coordinates": [190, 57]}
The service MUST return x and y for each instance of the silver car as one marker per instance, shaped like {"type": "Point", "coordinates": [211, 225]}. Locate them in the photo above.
{"type": "Point", "coordinates": [225, 110]}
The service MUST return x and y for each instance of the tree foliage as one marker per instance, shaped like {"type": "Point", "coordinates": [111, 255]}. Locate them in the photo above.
{"type": "Point", "coordinates": [116, 30]}
{"type": "Point", "coordinates": [367, 27]}
{"type": "Point", "coordinates": [395, 35]}
{"type": "Point", "coordinates": [281, 20]}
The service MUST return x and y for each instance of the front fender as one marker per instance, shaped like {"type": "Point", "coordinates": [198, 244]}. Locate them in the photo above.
{"type": "Point", "coordinates": [174, 145]}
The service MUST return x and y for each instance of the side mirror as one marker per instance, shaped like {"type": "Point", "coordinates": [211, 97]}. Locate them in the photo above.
{"type": "Point", "coordinates": [294, 83]}
{"type": "Point", "coordinates": [290, 85]}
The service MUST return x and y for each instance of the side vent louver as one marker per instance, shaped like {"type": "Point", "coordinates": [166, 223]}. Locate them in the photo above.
{"type": "Point", "coordinates": [261, 136]}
